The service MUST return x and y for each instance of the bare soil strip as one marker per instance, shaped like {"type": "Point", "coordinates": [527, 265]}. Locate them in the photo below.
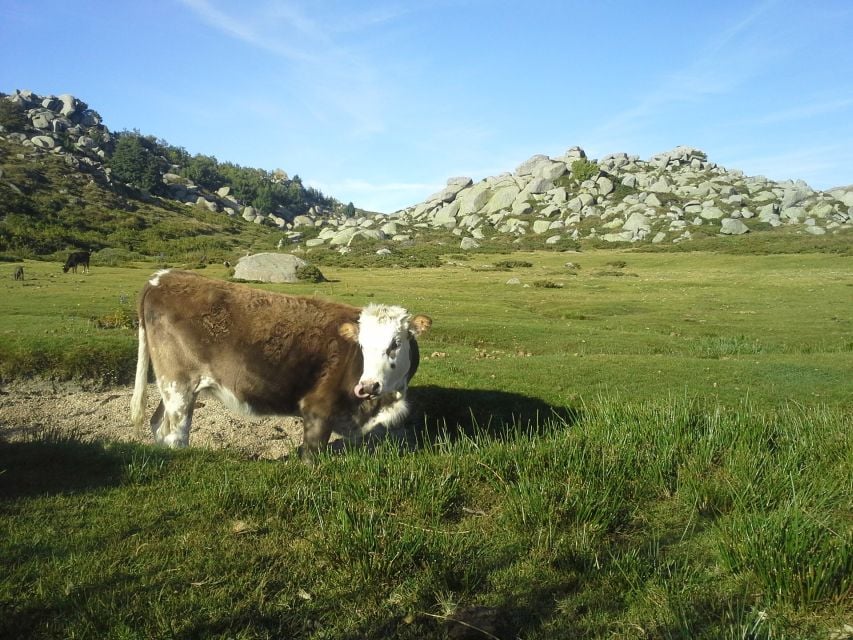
{"type": "Point", "coordinates": [32, 408]}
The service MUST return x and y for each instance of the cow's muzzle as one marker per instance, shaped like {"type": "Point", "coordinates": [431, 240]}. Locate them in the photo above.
{"type": "Point", "coordinates": [367, 389]}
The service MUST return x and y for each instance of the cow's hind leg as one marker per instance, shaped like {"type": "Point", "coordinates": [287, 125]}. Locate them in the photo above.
{"type": "Point", "coordinates": [175, 413]}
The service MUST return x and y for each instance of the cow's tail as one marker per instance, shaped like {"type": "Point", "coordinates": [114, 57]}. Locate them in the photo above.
{"type": "Point", "coordinates": [140, 387]}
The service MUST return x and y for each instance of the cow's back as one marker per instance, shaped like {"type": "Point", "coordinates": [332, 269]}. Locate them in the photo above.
{"type": "Point", "coordinates": [268, 349]}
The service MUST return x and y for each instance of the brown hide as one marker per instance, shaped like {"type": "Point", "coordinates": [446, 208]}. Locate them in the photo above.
{"type": "Point", "coordinates": [272, 351]}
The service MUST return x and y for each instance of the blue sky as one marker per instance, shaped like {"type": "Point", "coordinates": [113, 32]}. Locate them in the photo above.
{"type": "Point", "coordinates": [380, 102]}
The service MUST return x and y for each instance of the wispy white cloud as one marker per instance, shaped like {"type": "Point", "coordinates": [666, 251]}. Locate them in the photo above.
{"type": "Point", "coordinates": [728, 59]}
{"type": "Point", "coordinates": [817, 165]}
{"type": "Point", "coordinates": [363, 18]}
{"type": "Point", "coordinates": [336, 84]}
{"type": "Point", "coordinates": [244, 30]}
{"type": "Point", "coordinates": [803, 112]}
{"type": "Point", "coordinates": [726, 37]}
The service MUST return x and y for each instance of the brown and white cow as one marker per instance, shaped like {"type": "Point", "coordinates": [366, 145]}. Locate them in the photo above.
{"type": "Point", "coordinates": [341, 368]}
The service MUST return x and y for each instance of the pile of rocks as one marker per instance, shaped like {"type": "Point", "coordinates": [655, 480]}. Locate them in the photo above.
{"type": "Point", "coordinates": [59, 122]}
{"type": "Point", "coordinates": [625, 199]}
{"type": "Point", "coordinates": [53, 115]}
{"type": "Point", "coordinates": [668, 198]}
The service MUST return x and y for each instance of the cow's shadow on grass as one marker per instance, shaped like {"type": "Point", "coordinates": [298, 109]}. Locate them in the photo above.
{"type": "Point", "coordinates": [441, 414]}
{"type": "Point", "coordinates": [57, 465]}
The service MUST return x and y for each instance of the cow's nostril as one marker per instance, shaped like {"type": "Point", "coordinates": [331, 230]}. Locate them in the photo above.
{"type": "Point", "coordinates": [367, 389]}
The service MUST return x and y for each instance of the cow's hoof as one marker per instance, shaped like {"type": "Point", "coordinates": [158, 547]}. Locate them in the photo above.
{"type": "Point", "coordinates": [174, 441]}
{"type": "Point", "coordinates": [307, 455]}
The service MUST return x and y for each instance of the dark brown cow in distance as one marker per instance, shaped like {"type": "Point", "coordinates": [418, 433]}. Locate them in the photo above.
{"type": "Point", "coordinates": [19, 273]}
{"type": "Point", "coordinates": [341, 368]}
{"type": "Point", "coordinates": [75, 259]}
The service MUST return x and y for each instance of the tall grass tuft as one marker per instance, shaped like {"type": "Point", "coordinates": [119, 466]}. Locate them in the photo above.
{"type": "Point", "coordinates": [794, 557]}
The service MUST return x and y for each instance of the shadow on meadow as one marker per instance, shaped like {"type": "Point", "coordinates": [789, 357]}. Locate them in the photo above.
{"type": "Point", "coordinates": [54, 466]}
{"type": "Point", "coordinates": [451, 413]}
{"type": "Point", "coordinates": [442, 414]}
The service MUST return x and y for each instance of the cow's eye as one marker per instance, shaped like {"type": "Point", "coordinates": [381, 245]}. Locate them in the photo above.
{"type": "Point", "coordinates": [394, 346]}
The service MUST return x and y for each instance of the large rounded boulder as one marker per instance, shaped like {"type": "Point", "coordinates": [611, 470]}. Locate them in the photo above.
{"type": "Point", "coordinates": [275, 267]}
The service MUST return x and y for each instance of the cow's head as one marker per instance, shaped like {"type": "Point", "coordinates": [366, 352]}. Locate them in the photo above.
{"type": "Point", "coordinates": [384, 334]}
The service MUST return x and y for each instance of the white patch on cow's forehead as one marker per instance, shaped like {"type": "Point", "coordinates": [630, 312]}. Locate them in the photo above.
{"type": "Point", "coordinates": [155, 280]}
{"type": "Point", "coordinates": [378, 324]}
{"type": "Point", "coordinates": [384, 313]}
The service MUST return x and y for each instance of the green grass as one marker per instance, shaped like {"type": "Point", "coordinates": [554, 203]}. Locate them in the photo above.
{"type": "Point", "coordinates": [668, 519]}
{"type": "Point", "coordinates": [770, 328]}
{"type": "Point", "coordinates": [662, 456]}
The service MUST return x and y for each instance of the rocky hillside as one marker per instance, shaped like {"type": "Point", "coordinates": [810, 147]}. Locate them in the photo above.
{"type": "Point", "coordinates": [669, 198]}
{"type": "Point", "coordinates": [546, 202]}
{"type": "Point", "coordinates": [64, 126]}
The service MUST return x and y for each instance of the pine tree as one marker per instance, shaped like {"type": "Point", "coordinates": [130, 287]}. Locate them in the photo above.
{"type": "Point", "coordinates": [134, 164]}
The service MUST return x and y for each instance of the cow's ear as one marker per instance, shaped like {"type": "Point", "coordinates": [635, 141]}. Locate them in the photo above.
{"type": "Point", "coordinates": [419, 324]}
{"type": "Point", "coordinates": [349, 331]}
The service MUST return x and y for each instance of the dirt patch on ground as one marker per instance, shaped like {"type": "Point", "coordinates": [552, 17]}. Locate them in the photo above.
{"type": "Point", "coordinates": [30, 409]}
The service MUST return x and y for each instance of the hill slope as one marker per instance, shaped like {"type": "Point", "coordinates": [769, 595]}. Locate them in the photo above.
{"type": "Point", "coordinates": [66, 181]}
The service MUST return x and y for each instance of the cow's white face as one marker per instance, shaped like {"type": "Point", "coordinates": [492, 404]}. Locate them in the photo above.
{"type": "Point", "coordinates": [383, 334]}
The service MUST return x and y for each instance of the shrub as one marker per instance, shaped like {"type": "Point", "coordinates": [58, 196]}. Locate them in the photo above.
{"type": "Point", "coordinates": [12, 116]}
{"type": "Point", "coordinates": [111, 257]}
{"type": "Point", "coordinates": [310, 273]}
{"type": "Point", "coordinates": [135, 164]}
{"type": "Point", "coordinates": [511, 264]}
{"type": "Point", "coordinates": [121, 318]}
{"type": "Point", "coordinates": [621, 191]}
{"type": "Point", "coordinates": [583, 170]}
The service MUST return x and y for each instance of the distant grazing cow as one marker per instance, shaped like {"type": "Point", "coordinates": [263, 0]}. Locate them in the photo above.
{"type": "Point", "coordinates": [75, 259]}
{"type": "Point", "coordinates": [341, 368]}
{"type": "Point", "coordinates": [19, 273]}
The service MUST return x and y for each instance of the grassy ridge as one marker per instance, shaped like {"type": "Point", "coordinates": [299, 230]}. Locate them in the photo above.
{"type": "Point", "coordinates": [658, 448]}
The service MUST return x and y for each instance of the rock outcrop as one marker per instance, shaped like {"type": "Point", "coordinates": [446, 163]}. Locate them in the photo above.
{"type": "Point", "coordinates": [67, 127]}
{"type": "Point", "coordinates": [670, 197]}
{"type": "Point", "coordinates": [619, 198]}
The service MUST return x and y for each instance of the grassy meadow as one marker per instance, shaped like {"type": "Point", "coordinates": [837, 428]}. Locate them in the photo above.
{"type": "Point", "coordinates": [642, 445]}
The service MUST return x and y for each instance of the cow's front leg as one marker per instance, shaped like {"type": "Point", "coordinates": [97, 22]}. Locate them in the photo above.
{"type": "Point", "coordinates": [316, 431]}
{"type": "Point", "coordinates": [157, 421]}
